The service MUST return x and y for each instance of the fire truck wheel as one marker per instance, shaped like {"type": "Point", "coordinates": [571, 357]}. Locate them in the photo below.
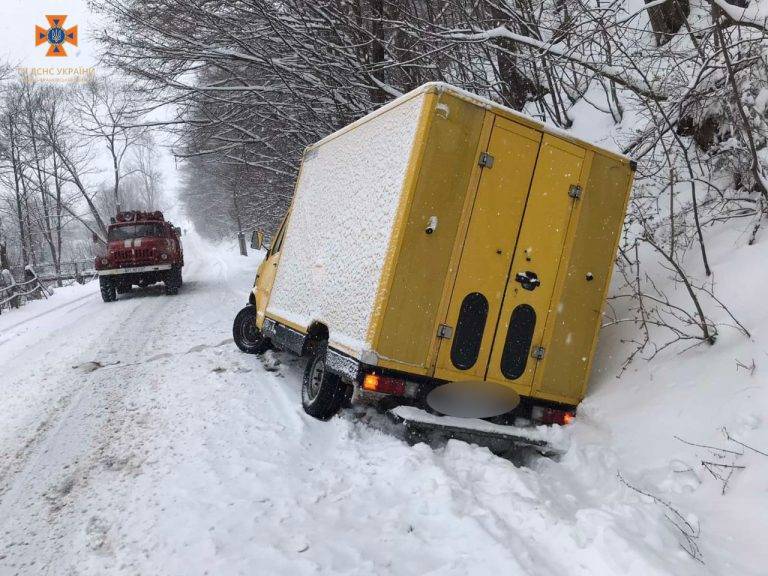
{"type": "Point", "coordinates": [173, 282]}
{"type": "Point", "coordinates": [108, 290]}
{"type": "Point", "coordinates": [247, 336]}
{"type": "Point", "coordinates": [322, 393]}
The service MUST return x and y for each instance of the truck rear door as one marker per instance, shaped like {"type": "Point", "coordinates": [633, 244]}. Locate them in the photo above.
{"type": "Point", "coordinates": [510, 258]}
{"type": "Point", "coordinates": [518, 342]}
{"type": "Point", "coordinates": [486, 256]}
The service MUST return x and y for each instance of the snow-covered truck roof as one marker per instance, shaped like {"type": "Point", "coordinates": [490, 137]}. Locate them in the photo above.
{"type": "Point", "coordinates": [442, 87]}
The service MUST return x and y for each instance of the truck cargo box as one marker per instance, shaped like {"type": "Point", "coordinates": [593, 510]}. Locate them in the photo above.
{"type": "Point", "coordinates": [446, 237]}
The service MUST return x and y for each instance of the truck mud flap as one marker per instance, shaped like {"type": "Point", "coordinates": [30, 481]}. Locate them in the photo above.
{"type": "Point", "coordinates": [423, 426]}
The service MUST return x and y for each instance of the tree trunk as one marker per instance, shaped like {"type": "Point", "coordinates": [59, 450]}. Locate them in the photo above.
{"type": "Point", "coordinates": [57, 186]}
{"type": "Point", "coordinates": [4, 265]}
{"type": "Point", "coordinates": [28, 223]}
{"type": "Point", "coordinates": [44, 193]}
{"type": "Point", "coordinates": [18, 197]}
{"type": "Point", "coordinates": [376, 52]}
{"type": "Point", "coordinates": [516, 87]}
{"type": "Point", "coordinates": [116, 170]}
{"type": "Point", "coordinates": [667, 19]}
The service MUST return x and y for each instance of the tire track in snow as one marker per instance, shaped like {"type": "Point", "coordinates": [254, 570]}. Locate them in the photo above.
{"type": "Point", "coordinates": [64, 454]}
{"type": "Point", "coordinates": [46, 482]}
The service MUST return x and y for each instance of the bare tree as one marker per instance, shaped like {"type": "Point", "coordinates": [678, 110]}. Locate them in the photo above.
{"type": "Point", "coordinates": [75, 161]}
{"type": "Point", "coordinates": [12, 174]}
{"type": "Point", "coordinates": [146, 173]}
{"type": "Point", "coordinates": [107, 114]}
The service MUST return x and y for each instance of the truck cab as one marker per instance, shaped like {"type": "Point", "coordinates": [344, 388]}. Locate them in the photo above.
{"type": "Point", "coordinates": [248, 323]}
{"type": "Point", "coordinates": [142, 249]}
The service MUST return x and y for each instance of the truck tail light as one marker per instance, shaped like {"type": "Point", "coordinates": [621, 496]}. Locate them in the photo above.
{"type": "Point", "coordinates": [554, 416]}
{"type": "Point", "coordinates": [384, 384]}
{"type": "Point", "coordinates": [104, 261]}
{"type": "Point", "coordinates": [164, 256]}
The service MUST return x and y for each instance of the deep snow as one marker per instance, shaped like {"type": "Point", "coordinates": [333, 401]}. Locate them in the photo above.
{"type": "Point", "coordinates": [136, 439]}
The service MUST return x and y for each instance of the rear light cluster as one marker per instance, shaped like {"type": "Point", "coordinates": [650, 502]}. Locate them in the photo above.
{"type": "Point", "coordinates": [384, 384]}
{"type": "Point", "coordinates": [400, 387]}
{"type": "Point", "coordinates": [552, 415]}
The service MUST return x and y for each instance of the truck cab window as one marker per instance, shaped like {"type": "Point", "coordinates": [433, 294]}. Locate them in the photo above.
{"type": "Point", "coordinates": [130, 231]}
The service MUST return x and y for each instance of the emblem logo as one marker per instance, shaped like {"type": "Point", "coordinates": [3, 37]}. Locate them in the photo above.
{"type": "Point", "coordinates": [56, 35]}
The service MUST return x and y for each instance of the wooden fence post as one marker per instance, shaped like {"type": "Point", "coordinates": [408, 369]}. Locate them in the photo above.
{"type": "Point", "coordinates": [30, 276]}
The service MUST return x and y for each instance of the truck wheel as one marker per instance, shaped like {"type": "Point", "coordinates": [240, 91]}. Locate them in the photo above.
{"type": "Point", "coordinates": [173, 281]}
{"type": "Point", "coordinates": [246, 334]}
{"type": "Point", "coordinates": [124, 288]}
{"type": "Point", "coordinates": [322, 393]}
{"type": "Point", "coordinates": [108, 290]}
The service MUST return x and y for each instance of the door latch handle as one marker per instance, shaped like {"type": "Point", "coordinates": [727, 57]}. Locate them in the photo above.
{"type": "Point", "coordinates": [528, 280]}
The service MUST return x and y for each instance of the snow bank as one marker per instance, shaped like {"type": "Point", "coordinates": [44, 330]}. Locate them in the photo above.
{"type": "Point", "coordinates": [648, 418]}
{"type": "Point", "coordinates": [14, 321]}
{"type": "Point", "coordinates": [341, 222]}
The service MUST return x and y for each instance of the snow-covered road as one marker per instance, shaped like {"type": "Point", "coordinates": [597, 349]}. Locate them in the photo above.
{"type": "Point", "coordinates": [136, 439]}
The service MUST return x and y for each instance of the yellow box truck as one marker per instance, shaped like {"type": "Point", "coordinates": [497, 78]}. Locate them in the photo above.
{"type": "Point", "coordinates": [442, 238]}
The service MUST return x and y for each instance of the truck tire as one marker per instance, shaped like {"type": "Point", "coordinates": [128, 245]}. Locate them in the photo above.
{"type": "Point", "coordinates": [173, 281]}
{"type": "Point", "coordinates": [322, 393]}
{"type": "Point", "coordinates": [108, 290]}
{"type": "Point", "coordinates": [246, 334]}
{"type": "Point", "coordinates": [124, 288]}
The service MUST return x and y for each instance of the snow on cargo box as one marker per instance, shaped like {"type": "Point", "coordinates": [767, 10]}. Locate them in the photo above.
{"type": "Point", "coordinates": [343, 213]}
{"type": "Point", "coordinates": [446, 238]}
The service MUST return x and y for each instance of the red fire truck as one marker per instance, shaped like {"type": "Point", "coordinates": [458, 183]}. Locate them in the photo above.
{"type": "Point", "coordinates": [142, 249]}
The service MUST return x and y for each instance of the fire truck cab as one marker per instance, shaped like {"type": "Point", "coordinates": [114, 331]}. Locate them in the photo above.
{"type": "Point", "coordinates": [142, 249]}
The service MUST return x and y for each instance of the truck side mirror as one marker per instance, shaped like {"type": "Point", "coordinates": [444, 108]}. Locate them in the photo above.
{"type": "Point", "coordinates": [178, 231]}
{"type": "Point", "coordinates": [257, 240]}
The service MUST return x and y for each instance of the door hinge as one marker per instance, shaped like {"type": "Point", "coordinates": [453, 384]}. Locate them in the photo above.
{"type": "Point", "coordinates": [574, 191]}
{"type": "Point", "coordinates": [444, 331]}
{"type": "Point", "coordinates": [538, 352]}
{"type": "Point", "coordinates": [486, 160]}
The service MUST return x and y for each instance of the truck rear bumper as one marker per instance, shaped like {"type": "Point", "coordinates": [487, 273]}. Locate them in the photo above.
{"type": "Point", "coordinates": [135, 270]}
{"type": "Point", "coordinates": [498, 438]}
